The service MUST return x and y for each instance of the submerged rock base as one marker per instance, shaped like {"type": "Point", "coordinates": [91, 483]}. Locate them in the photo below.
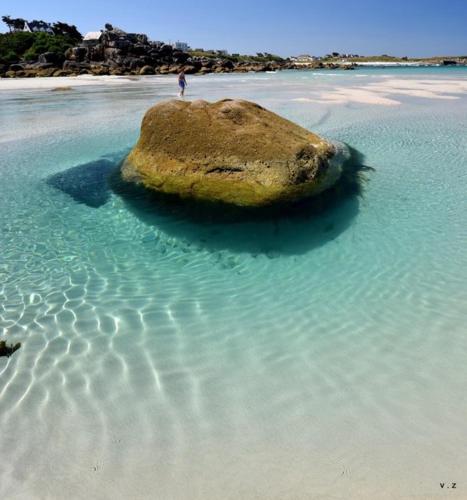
{"type": "Point", "coordinates": [349, 185]}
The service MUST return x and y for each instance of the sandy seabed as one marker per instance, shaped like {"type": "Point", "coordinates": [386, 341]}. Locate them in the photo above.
{"type": "Point", "coordinates": [161, 358]}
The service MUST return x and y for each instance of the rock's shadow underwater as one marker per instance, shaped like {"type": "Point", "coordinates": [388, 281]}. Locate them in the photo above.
{"type": "Point", "coordinates": [86, 183]}
{"type": "Point", "coordinates": [275, 230]}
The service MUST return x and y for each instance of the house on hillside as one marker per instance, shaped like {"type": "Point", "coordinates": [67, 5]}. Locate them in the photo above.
{"type": "Point", "coordinates": [181, 46]}
{"type": "Point", "coordinates": [19, 24]}
{"type": "Point", "coordinates": [304, 59]}
{"type": "Point", "coordinates": [92, 38]}
{"type": "Point", "coordinates": [38, 27]}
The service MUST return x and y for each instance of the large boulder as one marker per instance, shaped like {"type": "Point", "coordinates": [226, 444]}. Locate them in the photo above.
{"type": "Point", "coordinates": [63, 72]}
{"type": "Point", "coordinates": [191, 69]}
{"type": "Point", "coordinates": [44, 72]}
{"type": "Point", "coordinates": [146, 70]}
{"type": "Point", "coordinates": [71, 65]}
{"type": "Point", "coordinates": [76, 54]}
{"type": "Point", "coordinates": [17, 67]}
{"type": "Point", "coordinates": [180, 57]}
{"type": "Point", "coordinates": [231, 151]}
{"type": "Point", "coordinates": [51, 57]}
{"type": "Point", "coordinates": [99, 70]}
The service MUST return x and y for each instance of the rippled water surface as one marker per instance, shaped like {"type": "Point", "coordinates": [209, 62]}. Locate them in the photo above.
{"type": "Point", "coordinates": [320, 357]}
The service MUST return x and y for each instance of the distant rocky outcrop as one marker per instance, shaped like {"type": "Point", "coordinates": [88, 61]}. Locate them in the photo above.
{"type": "Point", "coordinates": [112, 51]}
{"type": "Point", "coordinates": [231, 151]}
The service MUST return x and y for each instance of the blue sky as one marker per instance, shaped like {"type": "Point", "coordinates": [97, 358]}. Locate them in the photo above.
{"type": "Point", "coordinates": [398, 27]}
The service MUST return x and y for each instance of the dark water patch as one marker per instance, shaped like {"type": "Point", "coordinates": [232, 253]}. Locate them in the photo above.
{"type": "Point", "coordinates": [8, 350]}
{"type": "Point", "coordinates": [86, 183]}
{"type": "Point", "coordinates": [272, 231]}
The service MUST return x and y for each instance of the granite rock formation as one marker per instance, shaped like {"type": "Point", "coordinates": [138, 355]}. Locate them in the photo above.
{"type": "Point", "coordinates": [231, 151]}
{"type": "Point", "coordinates": [112, 51]}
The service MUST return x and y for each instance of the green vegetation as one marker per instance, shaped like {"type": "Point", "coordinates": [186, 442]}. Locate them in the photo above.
{"type": "Point", "coordinates": [14, 45]}
{"type": "Point", "coordinates": [14, 24]}
{"type": "Point", "coordinates": [383, 57]}
{"type": "Point", "coordinates": [23, 46]}
{"type": "Point", "coordinates": [19, 45]}
{"type": "Point", "coordinates": [387, 58]}
{"type": "Point", "coordinates": [44, 42]}
{"type": "Point", "coordinates": [339, 57]}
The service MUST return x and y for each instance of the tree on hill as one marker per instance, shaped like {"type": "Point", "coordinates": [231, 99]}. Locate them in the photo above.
{"type": "Point", "coordinates": [67, 30]}
{"type": "Point", "coordinates": [14, 24]}
{"type": "Point", "coordinates": [19, 45]}
{"type": "Point", "coordinates": [44, 42]}
{"type": "Point", "coordinates": [24, 46]}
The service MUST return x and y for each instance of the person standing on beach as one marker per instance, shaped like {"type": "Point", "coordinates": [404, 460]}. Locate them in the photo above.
{"type": "Point", "coordinates": [182, 83]}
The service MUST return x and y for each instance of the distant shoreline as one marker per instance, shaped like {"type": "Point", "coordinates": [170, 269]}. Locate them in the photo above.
{"type": "Point", "coordinates": [402, 64]}
{"type": "Point", "coordinates": [83, 77]}
{"type": "Point", "coordinates": [69, 83]}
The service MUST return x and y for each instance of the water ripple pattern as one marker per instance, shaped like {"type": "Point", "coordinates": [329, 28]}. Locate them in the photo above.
{"type": "Point", "coordinates": [297, 358]}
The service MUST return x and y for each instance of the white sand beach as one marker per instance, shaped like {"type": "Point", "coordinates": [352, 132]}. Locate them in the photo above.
{"type": "Point", "coordinates": [64, 81]}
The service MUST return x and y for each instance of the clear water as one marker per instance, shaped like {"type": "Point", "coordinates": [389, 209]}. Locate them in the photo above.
{"type": "Point", "coordinates": [161, 358]}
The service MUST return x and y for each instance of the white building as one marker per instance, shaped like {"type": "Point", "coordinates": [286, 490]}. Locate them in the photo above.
{"type": "Point", "coordinates": [38, 27]}
{"type": "Point", "coordinates": [304, 59]}
{"type": "Point", "coordinates": [92, 38]}
{"type": "Point", "coordinates": [181, 46]}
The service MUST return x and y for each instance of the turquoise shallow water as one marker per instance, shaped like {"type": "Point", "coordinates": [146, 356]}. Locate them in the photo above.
{"type": "Point", "coordinates": [295, 358]}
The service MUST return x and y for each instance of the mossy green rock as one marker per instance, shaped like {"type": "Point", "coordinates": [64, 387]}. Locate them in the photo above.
{"type": "Point", "coordinates": [231, 151]}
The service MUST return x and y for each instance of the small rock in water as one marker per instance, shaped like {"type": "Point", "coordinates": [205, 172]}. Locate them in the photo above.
{"type": "Point", "coordinates": [8, 350]}
{"type": "Point", "coordinates": [61, 89]}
